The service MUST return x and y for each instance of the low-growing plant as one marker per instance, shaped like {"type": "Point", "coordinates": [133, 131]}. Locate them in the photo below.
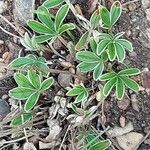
{"type": "Point", "coordinates": [47, 28]}
{"type": "Point", "coordinates": [29, 88]}
{"type": "Point", "coordinates": [120, 80]}
{"type": "Point", "coordinates": [93, 142]}
{"type": "Point", "coordinates": [80, 91]}
{"type": "Point", "coordinates": [31, 62]}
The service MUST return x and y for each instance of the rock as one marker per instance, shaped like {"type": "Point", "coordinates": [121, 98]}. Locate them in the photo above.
{"type": "Point", "coordinates": [51, 145]}
{"type": "Point", "coordinates": [145, 77]}
{"type": "Point", "coordinates": [129, 141]}
{"type": "Point", "coordinates": [4, 109]}
{"type": "Point", "coordinates": [3, 7]}
{"type": "Point", "coordinates": [134, 101]}
{"type": "Point", "coordinates": [29, 146]}
{"type": "Point", "coordinates": [123, 104]}
{"type": "Point", "coordinates": [147, 11]}
{"type": "Point", "coordinates": [5, 96]}
{"type": "Point", "coordinates": [132, 6]}
{"type": "Point", "coordinates": [23, 10]}
{"type": "Point", "coordinates": [122, 121]}
{"type": "Point", "coordinates": [147, 141]}
{"type": "Point", "coordinates": [64, 80]}
{"type": "Point", "coordinates": [145, 3]}
{"type": "Point", "coordinates": [118, 131]}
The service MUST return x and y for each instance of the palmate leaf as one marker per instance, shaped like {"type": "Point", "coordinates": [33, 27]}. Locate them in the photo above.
{"type": "Point", "coordinates": [39, 27]}
{"type": "Point", "coordinates": [43, 38]}
{"type": "Point", "coordinates": [66, 27]}
{"type": "Point", "coordinates": [101, 145]}
{"type": "Point", "coordinates": [87, 57]}
{"type": "Point", "coordinates": [21, 119]}
{"type": "Point", "coordinates": [78, 89]}
{"type": "Point", "coordinates": [45, 18]}
{"type": "Point", "coordinates": [108, 86]}
{"type": "Point", "coordinates": [115, 12]}
{"type": "Point", "coordinates": [22, 80]}
{"type": "Point", "coordinates": [52, 3]}
{"type": "Point", "coordinates": [93, 45]}
{"type": "Point", "coordinates": [82, 41]}
{"type": "Point", "coordinates": [120, 52]}
{"type": "Point", "coordinates": [60, 16]}
{"type": "Point", "coordinates": [80, 98]}
{"type": "Point", "coordinates": [102, 46]}
{"type": "Point", "coordinates": [86, 67]}
{"type": "Point", "coordinates": [125, 43]}
{"type": "Point", "coordinates": [105, 16]}
{"type": "Point", "coordinates": [129, 72]}
{"type": "Point", "coordinates": [98, 71]}
{"type": "Point", "coordinates": [111, 51]}
{"type": "Point", "coordinates": [20, 62]}
{"type": "Point", "coordinates": [47, 83]}
{"type": "Point", "coordinates": [131, 84]}
{"type": "Point", "coordinates": [108, 76]}
{"type": "Point", "coordinates": [120, 89]}
{"type": "Point", "coordinates": [34, 79]}
{"type": "Point", "coordinates": [31, 101]}
{"type": "Point", "coordinates": [21, 93]}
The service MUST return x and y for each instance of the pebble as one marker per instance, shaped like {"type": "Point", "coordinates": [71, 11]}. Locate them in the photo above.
{"type": "Point", "coordinates": [123, 104]}
{"type": "Point", "coordinates": [146, 3]}
{"type": "Point", "coordinates": [23, 10]}
{"type": "Point", "coordinates": [4, 97]}
{"type": "Point", "coordinates": [122, 121]}
{"type": "Point", "coordinates": [64, 80]}
{"type": "Point", "coordinates": [132, 6]}
{"type": "Point", "coordinates": [4, 109]}
{"type": "Point", "coordinates": [3, 7]}
{"type": "Point", "coordinates": [129, 141]}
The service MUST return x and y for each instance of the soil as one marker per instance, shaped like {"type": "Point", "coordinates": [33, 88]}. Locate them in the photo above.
{"type": "Point", "coordinates": [132, 23]}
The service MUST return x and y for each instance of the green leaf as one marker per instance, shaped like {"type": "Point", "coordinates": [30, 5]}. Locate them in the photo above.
{"type": "Point", "coordinates": [115, 12]}
{"type": "Point", "coordinates": [66, 27]}
{"type": "Point", "coordinates": [107, 76]}
{"type": "Point", "coordinates": [111, 52]}
{"type": "Point", "coordinates": [20, 62]}
{"type": "Point", "coordinates": [104, 36]}
{"type": "Point", "coordinates": [118, 35]}
{"type": "Point", "coordinates": [31, 101]}
{"type": "Point", "coordinates": [98, 71]}
{"type": "Point", "coordinates": [125, 43]}
{"type": "Point", "coordinates": [52, 3]}
{"type": "Point", "coordinates": [44, 38]}
{"type": "Point", "coordinates": [95, 19]}
{"type": "Point", "coordinates": [108, 86]}
{"type": "Point", "coordinates": [102, 46]}
{"type": "Point", "coordinates": [129, 72]}
{"type": "Point", "coordinates": [87, 57]}
{"type": "Point", "coordinates": [93, 45]}
{"type": "Point", "coordinates": [21, 93]}
{"type": "Point", "coordinates": [39, 27]}
{"type": "Point", "coordinates": [75, 91]}
{"type": "Point", "coordinates": [45, 18]}
{"type": "Point", "coordinates": [131, 84]}
{"type": "Point", "coordinates": [82, 41]}
{"type": "Point", "coordinates": [102, 145]}
{"type": "Point", "coordinates": [21, 119]}
{"type": "Point", "coordinates": [80, 98]}
{"type": "Point", "coordinates": [60, 16]}
{"type": "Point", "coordinates": [86, 67]}
{"type": "Point", "coordinates": [105, 15]}
{"type": "Point", "coordinates": [120, 89]}
{"type": "Point", "coordinates": [120, 52]}
{"type": "Point", "coordinates": [22, 80]}
{"type": "Point", "coordinates": [46, 84]}
{"type": "Point", "coordinates": [34, 79]}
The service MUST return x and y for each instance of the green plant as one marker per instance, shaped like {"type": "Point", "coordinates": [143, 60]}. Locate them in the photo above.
{"type": "Point", "coordinates": [120, 80]}
{"type": "Point", "coordinates": [31, 62]}
{"type": "Point", "coordinates": [52, 3]}
{"type": "Point", "coordinates": [80, 91]}
{"type": "Point", "coordinates": [93, 142]}
{"type": "Point", "coordinates": [29, 88]}
{"type": "Point", "coordinates": [91, 62]}
{"type": "Point", "coordinates": [47, 28]}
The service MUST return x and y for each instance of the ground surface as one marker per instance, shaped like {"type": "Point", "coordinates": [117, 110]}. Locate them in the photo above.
{"type": "Point", "coordinates": [135, 107]}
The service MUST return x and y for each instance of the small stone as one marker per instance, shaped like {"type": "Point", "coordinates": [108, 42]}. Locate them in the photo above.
{"type": "Point", "coordinates": [145, 3]}
{"type": "Point", "coordinates": [129, 141]}
{"type": "Point", "coordinates": [132, 7]}
{"type": "Point", "coordinates": [57, 44]}
{"type": "Point", "coordinates": [4, 97]}
{"type": "Point", "coordinates": [23, 10]}
{"type": "Point", "coordinates": [148, 14]}
{"type": "Point", "coordinates": [5, 56]}
{"type": "Point", "coordinates": [122, 121]}
{"type": "Point", "coordinates": [133, 54]}
{"type": "Point", "coordinates": [147, 141]}
{"type": "Point", "coordinates": [3, 7]}
{"type": "Point", "coordinates": [134, 101]}
{"type": "Point", "coordinates": [145, 80]}
{"type": "Point", "coordinates": [118, 131]}
{"type": "Point", "coordinates": [64, 80]}
{"type": "Point", "coordinates": [4, 109]}
{"type": "Point", "coordinates": [123, 104]}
